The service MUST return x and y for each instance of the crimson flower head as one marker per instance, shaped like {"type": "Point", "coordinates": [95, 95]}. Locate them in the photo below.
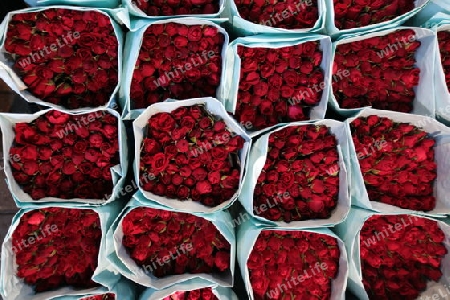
{"type": "Point", "coordinates": [387, 62]}
{"type": "Point", "coordinates": [444, 47]}
{"type": "Point", "coordinates": [200, 294]}
{"type": "Point", "coordinates": [300, 178]}
{"type": "Point", "coordinates": [64, 56]}
{"type": "Point", "coordinates": [168, 243]}
{"type": "Point", "coordinates": [156, 8]}
{"type": "Point", "coordinates": [400, 246]}
{"type": "Point", "coordinates": [177, 61]}
{"type": "Point", "coordinates": [287, 14]}
{"type": "Point", "coordinates": [191, 155]}
{"type": "Point", "coordinates": [279, 85]}
{"type": "Point", "coordinates": [56, 247]}
{"type": "Point", "coordinates": [66, 156]}
{"type": "Point", "coordinates": [293, 264]}
{"type": "Point", "coordinates": [353, 14]}
{"type": "Point", "coordinates": [397, 162]}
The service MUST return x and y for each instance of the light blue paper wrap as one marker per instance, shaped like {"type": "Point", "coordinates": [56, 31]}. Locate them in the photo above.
{"type": "Point", "coordinates": [257, 159]}
{"type": "Point", "coordinates": [135, 11]}
{"type": "Point", "coordinates": [221, 293]}
{"type": "Point", "coordinates": [86, 3]}
{"type": "Point", "coordinates": [349, 231]}
{"type": "Point", "coordinates": [432, 8]}
{"type": "Point", "coordinates": [24, 200]}
{"type": "Point", "coordinates": [17, 85]}
{"type": "Point", "coordinates": [117, 254]}
{"type": "Point", "coordinates": [243, 27]}
{"type": "Point", "coordinates": [13, 288]}
{"type": "Point", "coordinates": [423, 104]}
{"type": "Point", "coordinates": [335, 32]}
{"type": "Point", "coordinates": [215, 108]}
{"type": "Point", "coordinates": [441, 135]}
{"type": "Point", "coordinates": [440, 22]}
{"type": "Point", "coordinates": [247, 235]}
{"type": "Point", "coordinates": [133, 47]}
{"type": "Point", "coordinates": [124, 289]}
{"type": "Point", "coordinates": [229, 90]}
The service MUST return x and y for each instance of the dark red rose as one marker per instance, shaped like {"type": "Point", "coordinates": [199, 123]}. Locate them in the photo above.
{"type": "Point", "coordinates": [197, 238]}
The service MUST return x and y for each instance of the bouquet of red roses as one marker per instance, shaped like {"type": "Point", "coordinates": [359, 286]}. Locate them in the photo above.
{"type": "Point", "coordinates": [157, 8]}
{"type": "Point", "coordinates": [54, 251]}
{"type": "Point", "coordinates": [67, 58]}
{"type": "Point", "coordinates": [55, 156]}
{"type": "Point", "coordinates": [396, 256]}
{"type": "Point", "coordinates": [108, 296]}
{"type": "Point", "coordinates": [297, 175]}
{"type": "Point", "coordinates": [444, 47]}
{"type": "Point", "coordinates": [352, 16]}
{"type": "Point", "coordinates": [185, 291]}
{"type": "Point", "coordinates": [160, 246]}
{"type": "Point", "coordinates": [399, 162]}
{"type": "Point", "coordinates": [388, 60]}
{"type": "Point", "coordinates": [122, 289]}
{"type": "Point", "coordinates": [205, 293]}
{"type": "Point", "coordinates": [301, 15]}
{"type": "Point", "coordinates": [277, 263]}
{"type": "Point", "coordinates": [191, 155]}
{"type": "Point", "coordinates": [442, 86]}
{"type": "Point", "coordinates": [250, 17]}
{"type": "Point", "coordinates": [281, 81]}
{"type": "Point", "coordinates": [179, 59]}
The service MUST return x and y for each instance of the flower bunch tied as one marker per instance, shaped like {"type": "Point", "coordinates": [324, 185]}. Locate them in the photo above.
{"type": "Point", "coordinates": [165, 243]}
{"type": "Point", "coordinates": [65, 57]}
{"type": "Point", "coordinates": [400, 255]}
{"type": "Point", "coordinates": [200, 294]}
{"type": "Point", "coordinates": [444, 47]}
{"type": "Point", "coordinates": [56, 247]}
{"type": "Point", "coordinates": [192, 155]}
{"type": "Point", "coordinates": [300, 178]}
{"type": "Point", "coordinates": [66, 156]}
{"type": "Point", "coordinates": [387, 62]}
{"type": "Point", "coordinates": [278, 85]}
{"type": "Point", "coordinates": [287, 14]}
{"type": "Point", "coordinates": [359, 13]}
{"type": "Point", "coordinates": [177, 61]}
{"type": "Point", "coordinates": [176, 7]}
{"type": "Point", "coordinates": [293, 264]}
{"type": "Point", "coordinates": [397, 162]}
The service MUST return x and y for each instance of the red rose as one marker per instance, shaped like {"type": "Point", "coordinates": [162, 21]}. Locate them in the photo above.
{"type": "Point", "coordinates": [195, 33]}
{"type": "Point", "coordinates": [412, 231]}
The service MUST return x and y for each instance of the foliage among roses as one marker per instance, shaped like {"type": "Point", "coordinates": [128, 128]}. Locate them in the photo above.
{"type": "Point", "coordinates": [191, 155]}
{"type": "Point", "coordinates": [275, 84]}
{"type": "Point", "coordinates": [177, 61]}
{"type": "Point", "coordinates": [378, 62]}
{"type": "Point", "coordinates": [302, 160]}
{"type": "Point", "coordinates": [403, 171]}
{"type": "Point", "coordinates": [150, 235]}
{"type": "Point", "coordinates": [358, 13]}
{"type": "Point", "coordinates": [58, 161]}
{"type": "Point", "coordinates": [399, 265]}
{"type": "Point", "coordinates": [67, 256]}
{"type": "Point", "coordinates": [65, 57]}
{"type": "Point", "coordinates": [279, 256]}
